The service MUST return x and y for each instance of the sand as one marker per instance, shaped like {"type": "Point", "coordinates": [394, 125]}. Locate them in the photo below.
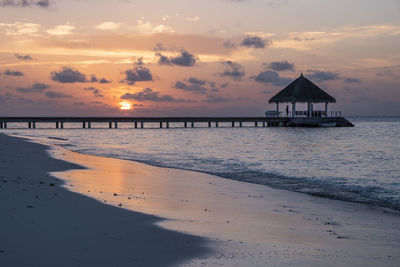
{"type": "Point", "coordinates": [43, 224]}
{"type": "Point", "coordinates": [110, 213]}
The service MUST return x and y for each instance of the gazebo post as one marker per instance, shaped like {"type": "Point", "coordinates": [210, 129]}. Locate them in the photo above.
{"type": "Point", "coordinates": [277, 108]}
{"type": "Point", "coordinates": [293, 109]}
{"type": "Point", "coordinates": [309, 109]}
{"type": "Point", "coordinates": [326, 109]}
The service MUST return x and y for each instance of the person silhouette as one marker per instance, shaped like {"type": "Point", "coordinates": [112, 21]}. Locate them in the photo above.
{"type": "Point", "coordinates": [287, 110]}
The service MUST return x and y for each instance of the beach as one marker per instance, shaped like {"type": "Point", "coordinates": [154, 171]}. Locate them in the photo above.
{"type": "Point", "coordinates": [62, 208]}
{"type": "Point", "coordinates": [42, 224]}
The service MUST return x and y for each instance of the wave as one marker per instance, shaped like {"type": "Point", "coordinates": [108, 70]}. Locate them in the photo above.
{"type": "Point", "coordinates": [57, 138]}
{"type": "Point", "coordinates": [326, 187]}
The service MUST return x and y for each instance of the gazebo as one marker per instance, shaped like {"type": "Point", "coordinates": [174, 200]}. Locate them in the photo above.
{"type": "Point", "coordinates": [303, 90]}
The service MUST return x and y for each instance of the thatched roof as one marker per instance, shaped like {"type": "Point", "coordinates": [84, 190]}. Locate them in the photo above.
{"type": "Point", "coordinates": [302, 90]}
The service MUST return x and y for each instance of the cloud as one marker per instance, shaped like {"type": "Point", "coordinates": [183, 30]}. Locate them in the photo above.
{"type": "Point", "coordinates": [385, 73]}
{"type": "Point", "coordinates": [139, 73]}
{"type": "Point", "coordinates": [196, 81]}
{"type": "Point", "coordinates": [68, 75]}
{"type": "Point", "coordinates": [352, 80]}
{"type": "Point", "coordinates": [224, 85]}
{"type": "Point", "coordinates": [19, 28]}
{"type": "Point", "coordinates": [254, 42]}
{"type": "Point", "coordinates": [13, 73]}
{"type": "Point", "coordinates": [194, 85]}
{"type": "Point", "coordinates": [215, 99]}
{"type": "Point", "coordinates": [43, 3]}
{"type": "Point", "coordinates": [277, 3]}
{"type": "Point", "coordinates": [25, 3]}
{"type": "Point", "coordinates": [61, 30]}
{"type": "Point", "coordinates": [321, 76]}
{"type": "Point", "coordinates": [184, 59]}
{"type": "Point", "coordinates": [159, 47]}
{"type": "Point", "coordinates": [96, 92]}
{"type": "Point", "coordinates": [229, 44]}
{"type": "Point", "coordinates": [52, 94]}
{"type": "Point", "coordinates": [232, 69]}
{"type": "Point", "coordinates": [72, 75]}
{"type": "Point", "coordinates": [192, 19]}
{"type": "Point", "coordinates": [357, 91]}
{"type": "Point", "coordinates": [146, 27]}
{"type": "Point", "coordinates": [149, 94]}
{"type": "Point", "coordinates": [281, 66]}
{"type": "Point", "coordinates": [94, 79]}
{"type": "Point", "coordinates": [23, 57]}
{"type": "Point", "coordinates": [271, 77]}
{"type": "Point", "coordinates": [304, 41]}
{"type": "Point", "coordinates": [35, 88]}
{"type": "Point", "coordinates": [109, 25]}
{"type": "Point", "coordinates": [104, 80]}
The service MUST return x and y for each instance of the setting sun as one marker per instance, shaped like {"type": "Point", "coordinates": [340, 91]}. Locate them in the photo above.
{"type": "Point", "coordinates": [125, 106]}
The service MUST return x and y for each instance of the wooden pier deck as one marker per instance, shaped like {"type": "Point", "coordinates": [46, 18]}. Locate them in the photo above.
{"type": "Point", "coordinates": [164, 122]}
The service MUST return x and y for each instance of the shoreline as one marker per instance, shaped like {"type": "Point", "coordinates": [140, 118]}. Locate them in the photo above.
{"type": "Point", "coordinates": [324, 188]}
{"type": "Point", "coordinates": [43, 224]}
{"type": "Point", "coordinates": [247, 224]}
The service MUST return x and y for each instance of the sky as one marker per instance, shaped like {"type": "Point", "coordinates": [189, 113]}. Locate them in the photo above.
{"type": "Point", "coordinates": [195, 57]}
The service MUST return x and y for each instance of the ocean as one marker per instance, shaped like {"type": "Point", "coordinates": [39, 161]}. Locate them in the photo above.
{"type": "Point", "coordinates": [359, 164]}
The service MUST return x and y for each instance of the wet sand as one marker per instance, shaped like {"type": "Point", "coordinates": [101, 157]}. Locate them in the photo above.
{"type": "Point", "coordinates": [244, 224]}
{"type": "Point", "coordinates": [43, 224]}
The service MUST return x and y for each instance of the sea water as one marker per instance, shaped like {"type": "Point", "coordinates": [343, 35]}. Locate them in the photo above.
{"type": "Point", "coordinates": [360, 164]}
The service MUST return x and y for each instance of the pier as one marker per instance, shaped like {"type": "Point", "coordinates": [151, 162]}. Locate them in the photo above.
{"type": "Point", "coordinates": [301, 90]}
{"type": "Point", "coordinates": [179, 122]}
